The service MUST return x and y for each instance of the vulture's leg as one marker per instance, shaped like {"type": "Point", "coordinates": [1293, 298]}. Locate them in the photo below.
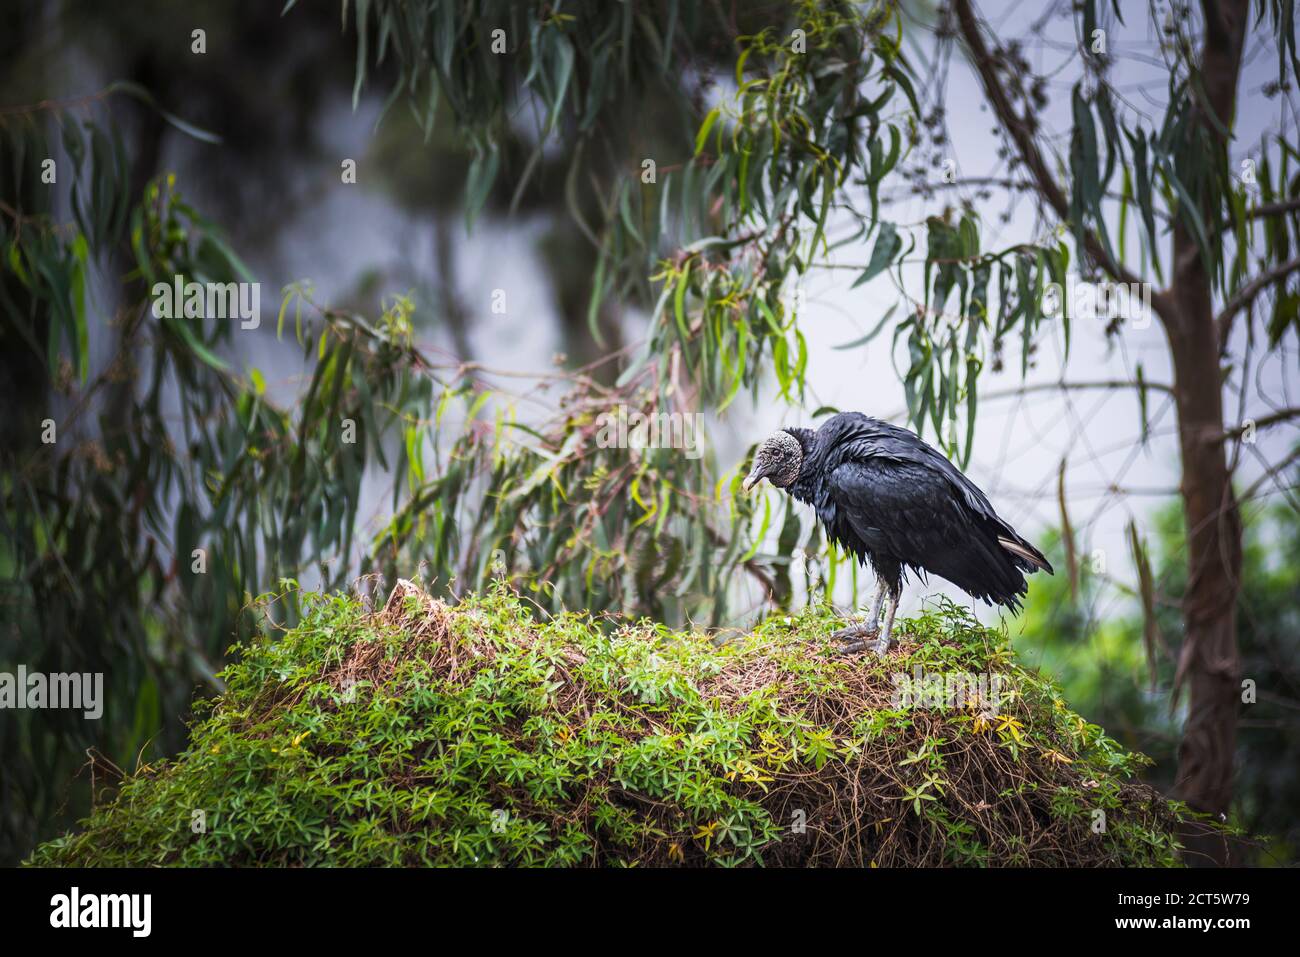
{"type": "Point", "coordinates": [857, 633]}
{"type": "Point", "coordinates": [882, 646]}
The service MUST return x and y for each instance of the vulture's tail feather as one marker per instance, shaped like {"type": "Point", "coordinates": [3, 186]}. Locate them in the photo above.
{"type": "Point", "coordinates": [1030, 554]}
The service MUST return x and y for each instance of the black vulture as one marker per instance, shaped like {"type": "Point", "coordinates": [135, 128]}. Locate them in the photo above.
{"type": "Point", "coordinates": [897, 504]}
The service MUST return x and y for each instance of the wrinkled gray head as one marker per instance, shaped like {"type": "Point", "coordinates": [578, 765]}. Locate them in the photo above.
{"type": "Point", "coordinates": [778, 460]}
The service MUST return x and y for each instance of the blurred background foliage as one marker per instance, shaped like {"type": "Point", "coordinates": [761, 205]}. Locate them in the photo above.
{"type": "Point", "coordinates": [1096, 652]}
{"type": "Point", "coordinates": [177, 488]}
{"type": "Point", "coordinates": [674, 284]}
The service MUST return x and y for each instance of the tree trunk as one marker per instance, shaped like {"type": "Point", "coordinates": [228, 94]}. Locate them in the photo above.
{"type": "Point", "coordinates": [1209, 664]}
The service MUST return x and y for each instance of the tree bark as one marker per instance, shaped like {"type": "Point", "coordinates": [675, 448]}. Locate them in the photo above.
{"type": "Point", "coordinates": [1209, 663]}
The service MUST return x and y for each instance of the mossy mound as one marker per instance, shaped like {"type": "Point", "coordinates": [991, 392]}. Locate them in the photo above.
{"type": "Point", "coordinates": [428, 734]}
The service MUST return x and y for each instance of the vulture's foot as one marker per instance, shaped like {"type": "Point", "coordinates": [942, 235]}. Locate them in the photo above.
{"type": "Point", "coordinates": [880, 647]}
{"type": "Point", "coordinates": [857, 637]}
{"type": "Point", "coordinates": [859, 629]}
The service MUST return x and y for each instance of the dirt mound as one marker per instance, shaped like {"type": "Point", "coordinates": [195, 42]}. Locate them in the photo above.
{"type": "Point", "coordinates": [429, 734]}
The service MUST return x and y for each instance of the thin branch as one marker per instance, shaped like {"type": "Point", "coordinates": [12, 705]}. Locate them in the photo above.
{"type": "Point", "coordinates": [1247, 294]}
{"type": "Point", "coordinates": [1027, 145]}
{"type": "Point", "coordinates": [1270, 475]}
{"type": "Point", "coordinates": [1060, 386]}
{"type": "Point", "coordinates": [1262, 211]}
{"type": "Point", "coordinates": [1265, 422]}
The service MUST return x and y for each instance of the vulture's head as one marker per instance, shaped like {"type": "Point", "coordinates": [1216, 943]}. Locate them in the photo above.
{"type": "Point", "coordinates": [778, 460]}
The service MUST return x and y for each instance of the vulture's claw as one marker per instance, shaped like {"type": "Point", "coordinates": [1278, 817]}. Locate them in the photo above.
{"type": "Point", "coordinates": [861, 629]}
{"type": "Point", "coordinates": [880, 647]}
{"type": "Point", "coordinates": [859, 638]}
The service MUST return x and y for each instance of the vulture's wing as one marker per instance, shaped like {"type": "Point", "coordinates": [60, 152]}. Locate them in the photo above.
{"type": "Point", "coordinates": [881, 442]}
{"type": "Point", "coordinates": [910, 512]}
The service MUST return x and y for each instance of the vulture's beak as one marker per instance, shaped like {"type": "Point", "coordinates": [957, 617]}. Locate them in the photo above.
{"type": "Point", "coordinates": [752, 479]}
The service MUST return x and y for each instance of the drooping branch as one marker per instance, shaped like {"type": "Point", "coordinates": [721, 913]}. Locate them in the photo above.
{"type": "Point", "coordinates": [1028, 149]}
{"type": "Point", "coordinates": [1247, 294]}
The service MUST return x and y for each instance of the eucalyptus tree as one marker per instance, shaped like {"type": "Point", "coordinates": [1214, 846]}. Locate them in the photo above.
{"type": "Point", "coordinates": [133, 544]}
{"type": "Point", "coordinates": [137, 532]}
{"type": "Point", "coordinates": [1217, 243]}
{"type": "Point", "coordinates": [829, 98]}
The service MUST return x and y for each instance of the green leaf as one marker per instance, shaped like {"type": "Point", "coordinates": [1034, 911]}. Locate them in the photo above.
{"type": "Point", "coordinates": [872, 334]}
{"type": "Point", "coordinates": [144, 96]}
{"type": "Point", "coordinates": [182, 328]}
{"type": "Point", "coordinates": [482, 174]}
{"type": "Point", "coordinates": [707, 125]}
{"type": "Point", "coordinates": [886, 248]}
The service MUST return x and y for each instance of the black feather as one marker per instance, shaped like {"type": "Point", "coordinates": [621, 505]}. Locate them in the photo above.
{"type": "Point", "coordinates": [898, 504]}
